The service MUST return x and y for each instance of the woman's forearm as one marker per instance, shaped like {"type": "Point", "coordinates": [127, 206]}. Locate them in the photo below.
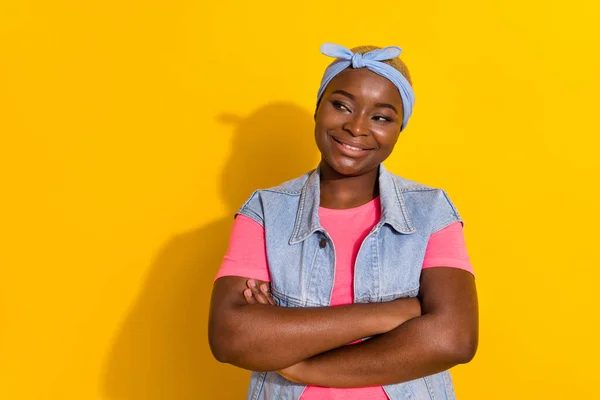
{"type": "Point", "coordinates": [268, 338]}
{"type": "Point", "coordinates": [445, 335]}
{"type": "Point", "coordinates": [420, 347]}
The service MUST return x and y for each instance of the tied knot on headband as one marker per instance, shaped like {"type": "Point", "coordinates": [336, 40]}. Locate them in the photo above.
{"type": "Point", "coordinates": [357, 61]}
{"type": "Point", "coordinates": [371, 60]}
{"type": "Point", "coordinates": [360, 60]}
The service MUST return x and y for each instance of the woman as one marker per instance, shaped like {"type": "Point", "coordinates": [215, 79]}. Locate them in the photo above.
{"type": "Point", "coordinates": [348, 253]}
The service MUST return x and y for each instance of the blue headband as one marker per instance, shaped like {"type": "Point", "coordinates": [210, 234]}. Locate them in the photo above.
{"type": "Point", "coordinates": [371, 61]}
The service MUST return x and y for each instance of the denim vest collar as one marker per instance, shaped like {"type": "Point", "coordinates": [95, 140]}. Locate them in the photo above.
{"type": "Point", "coordinates": [393, 207]}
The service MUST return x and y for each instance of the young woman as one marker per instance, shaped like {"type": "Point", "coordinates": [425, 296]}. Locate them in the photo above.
{"type": "Point", "coordinates": [349, 254]}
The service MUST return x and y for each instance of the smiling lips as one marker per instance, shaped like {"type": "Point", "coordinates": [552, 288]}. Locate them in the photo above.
{"type": "Point", "coordinates": [354, 147]}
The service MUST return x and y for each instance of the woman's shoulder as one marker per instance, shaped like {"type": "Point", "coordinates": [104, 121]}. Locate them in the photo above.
{"type": "Point", "coordinates": [407, 185]}
{"type": "Point", "coordinates": [290, 188]}
{"type": "Point", "coordinates": [276, 199]}
{"type": "Point", "coordinates": [418, 196]}
{"type": "Point", "coordinates": [293, 186]}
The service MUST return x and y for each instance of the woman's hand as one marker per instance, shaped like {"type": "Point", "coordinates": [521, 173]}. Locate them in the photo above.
{"type": "Point", "coordinates": [258, 292]}
{"type": "Point", "coordinates": [294, 372]}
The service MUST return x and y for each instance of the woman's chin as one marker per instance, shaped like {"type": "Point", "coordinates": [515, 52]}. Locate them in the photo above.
{"type": "Point", "coordinates": [347, 169]}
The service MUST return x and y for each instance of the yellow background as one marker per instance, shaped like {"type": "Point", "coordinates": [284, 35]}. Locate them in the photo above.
{"type": "Point", "coordinates": [131, 132]}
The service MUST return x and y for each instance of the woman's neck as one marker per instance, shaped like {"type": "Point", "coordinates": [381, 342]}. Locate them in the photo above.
{"type": "Point", "coordinates": [340, 191]}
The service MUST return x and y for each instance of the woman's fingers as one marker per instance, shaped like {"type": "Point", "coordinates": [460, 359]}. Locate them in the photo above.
{"type": "Point", "coordinates": [248, 296]}
{"type": "Point", "coordinates": [260, 297]}
{"type": "Point", "coordinates": [260, 292]}
{"type": "Point", "coordinates": [266, 290]}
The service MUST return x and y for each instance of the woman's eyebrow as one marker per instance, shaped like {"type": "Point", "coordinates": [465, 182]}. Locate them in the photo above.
{"type": "Point", "coordinates": [344, 93]}
{"type": "Point", "coordinates": [351, 96]}
{"type": "Point", "coordinates": [385, 105]}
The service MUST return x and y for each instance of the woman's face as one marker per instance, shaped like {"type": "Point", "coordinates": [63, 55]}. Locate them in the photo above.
{"type": "Point", "coordinates": [358, 121]}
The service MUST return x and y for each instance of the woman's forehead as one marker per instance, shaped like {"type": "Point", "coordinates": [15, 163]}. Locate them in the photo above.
{"type": "Point", "coordinates": [365, 84]}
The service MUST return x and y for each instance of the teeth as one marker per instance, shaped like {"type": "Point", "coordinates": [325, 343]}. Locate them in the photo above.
{"type": "Point", "coordinates": [351, 147]}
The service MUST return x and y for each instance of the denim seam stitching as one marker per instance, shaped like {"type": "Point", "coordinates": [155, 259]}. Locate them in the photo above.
{"type": "Point", "coordinates": [283, 191]}
{"type": "Point", "coordinates": [445, 223]}
{"type": "Point", "coordinates": [402, 204]}
{"type": "Point", "coordinates": [253, 215]}
{"type": "Point", "coordinates": [429, 388]}
{"type": "Point", "coordinates": [259, 385]}
{"type": "Point", "coordinates": [449, 386]}
{"type": "Point", "coordinates": [294, 238]}
{"type": "Point", "coordinates": [451, 204]}
{"type": "Point", "coordinates": [375, 260]}
{"type": "Point", "coordinates": [291, 299]}
{"type": "Point", "coordinates": [404, 294]}
{"type": "Point", "coordinates": [312, 268]}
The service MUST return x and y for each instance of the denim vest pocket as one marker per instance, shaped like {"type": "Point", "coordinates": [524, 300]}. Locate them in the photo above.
{"type": "Point", "coordinates": [403, 295]}
{"type": "Point", "coordinates": [282, 300]}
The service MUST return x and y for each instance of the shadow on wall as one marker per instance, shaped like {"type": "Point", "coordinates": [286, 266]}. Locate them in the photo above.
{"type": "Point", "coordinates": [161, 351]}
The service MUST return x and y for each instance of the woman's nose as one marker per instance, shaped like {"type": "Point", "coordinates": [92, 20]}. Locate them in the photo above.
{"type": "Point", "coordinates": [357, 125]}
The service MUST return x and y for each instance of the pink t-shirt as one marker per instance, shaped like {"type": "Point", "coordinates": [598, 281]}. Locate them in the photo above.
{"type": "Point", "coordinates": [246, 257]}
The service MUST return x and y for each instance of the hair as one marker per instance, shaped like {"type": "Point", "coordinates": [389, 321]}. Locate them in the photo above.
{"type": "Point", "coordinates": [394, 62]}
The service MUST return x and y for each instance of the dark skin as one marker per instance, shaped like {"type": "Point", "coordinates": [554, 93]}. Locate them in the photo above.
{"type": "Point", "coordinates": [361, 109]}
{"type": "Point", "coordinates": [307, 345]}
{"type": "Point", "coordinates": [262, 337]}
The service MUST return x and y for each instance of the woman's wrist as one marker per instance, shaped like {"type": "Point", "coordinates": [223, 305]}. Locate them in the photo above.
{"type": "Point", "coordinates": [396, 312]}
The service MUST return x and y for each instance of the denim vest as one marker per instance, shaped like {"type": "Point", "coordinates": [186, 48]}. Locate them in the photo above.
{"type": "Point", "coordinates": [301, 259]}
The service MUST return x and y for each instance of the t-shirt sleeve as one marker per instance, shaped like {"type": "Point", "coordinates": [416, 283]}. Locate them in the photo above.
{"type": "Point", "coordinates": [447, 248]}
{"type": "Point", "coordinates": [246, 254]}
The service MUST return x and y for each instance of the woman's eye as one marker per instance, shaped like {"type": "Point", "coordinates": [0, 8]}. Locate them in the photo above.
{"type": "Point", "coordinates": [379, 118]}
{"type": "Point", "coordinates": [339, 105]}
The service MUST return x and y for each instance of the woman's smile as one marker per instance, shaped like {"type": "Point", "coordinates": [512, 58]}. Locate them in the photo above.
{"type": "Point", "coordinates": [350, 148]}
